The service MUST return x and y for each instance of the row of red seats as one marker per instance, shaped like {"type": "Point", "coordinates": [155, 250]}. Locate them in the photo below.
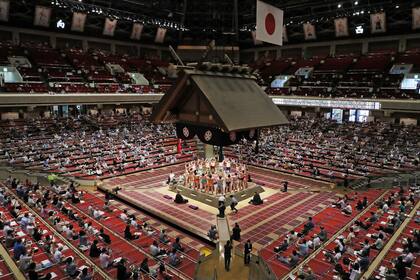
{"type": "Point", "coordinates": [325, 269]}
{"type": "Point", "coordinates": [411, 231]}
{"type": "Point", "coordinates": [40, 255]}
{"type": "Point", "coordinates": [331, 219]}
{"type": "Point", "coordinates": [190, 256]}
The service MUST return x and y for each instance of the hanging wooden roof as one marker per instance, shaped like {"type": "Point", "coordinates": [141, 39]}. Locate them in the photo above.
{"type": "Point", "coordinates": [229, 101]}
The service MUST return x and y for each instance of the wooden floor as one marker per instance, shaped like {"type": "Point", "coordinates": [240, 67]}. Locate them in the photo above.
{"type": "Point", "coordinates": [215, 266]}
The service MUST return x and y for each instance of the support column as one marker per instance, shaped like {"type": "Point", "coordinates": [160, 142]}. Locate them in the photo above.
{"type": "Point", "coordinates": [365, 47]}
{"type": "Point", "coordinates": [16, 37]}
{"type": "Point", "coordinates": [332, 49]}
{"type": "Point", "coordinates": [402, 46]}
{"type": "Point", "coordinates": [53, 41]}
{"type": "Point", "coordinates": [85, 45]}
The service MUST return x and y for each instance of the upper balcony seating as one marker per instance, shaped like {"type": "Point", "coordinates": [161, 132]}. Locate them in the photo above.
{"type": "Point", "coordinates": [26, 87]}
{"type": "Point", "coordinates": [410, 57]}
{"type": "Point", "coordinates": [335, 64]}
{"type": "Point", "coordinates": [312, 62]}
{"type": "Point", "coordinates": [47, 58]}
{"type": "Point", "coordinates": [371, 63]}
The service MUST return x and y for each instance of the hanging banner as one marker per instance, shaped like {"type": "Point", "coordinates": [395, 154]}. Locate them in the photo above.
{"type": "Point", "coordinates": [109, 27]}
{"type": "Point", "coordinates": [341, 27]}
{"type": "Point", "coordinates": [78, 23]}
{"type": "Point", "coordinates": [377, 23]}
{"type": "Point", "coordinates": [42, 16]}
{"type": "Point", "coordinates": [136, 31]}
{"type": "Point", "coordinates": [4, 10]}
{"type": "Point", "coordinates": [160, 35]}
{"type": "Point", "coordinates": [416, 18]}
{"type": "Point", "coordinates": [214, 136]}
{"type": "Point", "coordinates": [309, 31]}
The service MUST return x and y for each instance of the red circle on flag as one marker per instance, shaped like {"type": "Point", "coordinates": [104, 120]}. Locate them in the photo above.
{"type": "Point", "coordinates": [270, 23]}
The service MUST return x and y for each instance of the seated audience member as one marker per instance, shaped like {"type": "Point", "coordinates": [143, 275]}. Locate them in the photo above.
{"type": "Point", "coordinates": [323, 235]}
{"type": "Point", "coordinates": [359, 205]}
{"type": "Point", "coordinates": [163, 237]}
{"type": "Point", "coordinates": [71, 268]}
{"type": "Point", "coordinates": [155, 250]}
{"type": "Point", "coordinates": [58, 255]}
{"type": "Point", "coordinates": [282, 246]}
{"type": "Point", "coordinates": [25, 260]}
{"type": "Point", "coordinates": [177, 245]}
{"type": "Point", "coordinates": [379, 243]}
{"type": "Point", "coordinates": [315, 243]}
{"type": "Point", "coordinates": [144, 266]}
{"type": "Point", "coordinates": [308, 226]}
{"type": "Point", "coordinates": [83, 240]}
{"type": "Point", "coordinates": [408, 258]}
{"type": "Point", "coordinates": [84, 275]}
{"type": "Point", "coordinates": [347, 210]}
{"type": "Point", "coordinates": [127, 233]}
{"type": "Point", "coordinates": [212, 234]}
{"type": "Point", "coordinates": [290, 261]}
{"type": "Point", "coordinates": [122, 273]}
{"type": "Point", "coordinates": [179, 199]}
{"type": "Point", "coordinates": [256, 200]}
{"type": "Point", "coordinates": [124, 216]}
{"type": "Point", "coordinates": [94, 251]}
{"type": "Point", "coordinates": [105, 258]}
{"type": "Point", "coordinates": [105, 237]}
{"type": "Point", "coordinates": [306, 273]}
{"type": "Point", "coordinates": [147, 229]}
{"type": "Point", "coordinates": [292, 236]}
{"type": "Point", "coordinates": [34, 275]}
{"type": "Point", "coordinates": [303, 247]}
{"type": "Point", "coordinates": [333, 257]}
{"type": "Point", "coordinates": [364, 262]}
{"type": "Point", "coordinates": [18, 249]}
{"type": "Point", "coordinates": [174, 260]}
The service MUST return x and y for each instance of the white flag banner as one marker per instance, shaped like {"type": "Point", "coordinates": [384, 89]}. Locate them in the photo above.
{"type": "Point", "coordinates": [285, 39]}
{"type": "Point", "coordinates": [341, 27]}
{"type": "Point", "coordinates": [254, 38]}
{"type": "Point", "coordinates": [416, 18]}
{"type": "Point", "coordinates": [4, 10]}
{"type": "Point", "coordinates": [309, 31]}
{"type": "Point", "coordinates": [78, 23]}
{"type": "Point", "coordinates": [109, 27]}
{"type": "Point", "coordinates": [160, 35]}
{"type": "Point", "coordinates": [269, 26]}
{"type": "Point", "coordinates": [377, 23]}
{"type": "Point", "coordinates": [42, 16]}
{"type": "Point", "coordinates": [136, 31]}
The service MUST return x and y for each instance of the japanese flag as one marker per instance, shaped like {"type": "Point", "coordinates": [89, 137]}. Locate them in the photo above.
{"type": "Point", "coordinates": [269, 24]}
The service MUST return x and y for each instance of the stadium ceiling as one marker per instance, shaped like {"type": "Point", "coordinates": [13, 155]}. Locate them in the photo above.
{"type": "Point", "coordinates": [229, 22]}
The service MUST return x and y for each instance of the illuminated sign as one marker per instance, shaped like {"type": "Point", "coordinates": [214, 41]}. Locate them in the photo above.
{"type": "Point", "coordinates": [61, 24]}
{"type": "Point", "coordinates": [359, 29]}
{"type": "Point", "coordinates": [346, 104]}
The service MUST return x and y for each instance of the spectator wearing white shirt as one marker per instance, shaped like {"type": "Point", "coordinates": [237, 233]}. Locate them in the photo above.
{"type": "Point", "coordinates": [58, 255]}
{"type": "Point", "coordinates": [105, 258]}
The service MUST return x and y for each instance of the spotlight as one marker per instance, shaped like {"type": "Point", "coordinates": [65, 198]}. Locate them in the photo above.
{"type": "Point", "coordinates": [339, 5]}
{"type": "Point", "coordinates": [356, 3]}
{"type": "Point", "coordinates": [397, 6]}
